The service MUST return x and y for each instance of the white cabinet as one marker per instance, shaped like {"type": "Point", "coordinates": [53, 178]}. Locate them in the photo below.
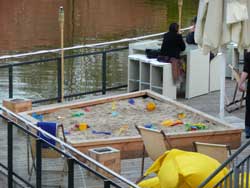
{"type": "Point", "coordinates": [197, 73]}
{"type": "Point", "coordinates": [144, 73]}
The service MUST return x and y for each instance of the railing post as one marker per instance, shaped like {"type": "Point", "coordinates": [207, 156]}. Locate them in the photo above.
{"type": "Point", "coordinates": [10, 154]}
{"type": "Point", "coordinates": [236, 177]}
{"type": "Point", "coordinates": [106, 184]}
{"type": "Point", "coordinates": [70, 173]}
{"type": "Point", "coordinates": [59, 80]}
{"type": "Point", "coordinates": [38, 163]}
{"type": "Point", "coordinates": [10, 82]}
{"type": "Point", "coordinates": [104, 72]}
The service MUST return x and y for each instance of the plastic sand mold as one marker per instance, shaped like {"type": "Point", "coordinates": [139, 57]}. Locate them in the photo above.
{"type": "Point", "coordinates": [37, 116]}
{"type": "Point", "coordinates": [151, 106]}
{"type": "Point", "coordinates": [170, 122]}
{"type": "Point", "coordinates": [77, 114]}
{"type": "Point", "coordinates": [131, 101]}
{"type": "Point", "coordinates": [113, 105]}
{"type": "Point", "coordinates": [181, 115]}
{"type": "Point", "coordinates": [101, 132]}
{"type": "Point", "coordinates": [87, 109]}
{"type": "Point", "coordinates": [114, 114]}
{"type": "Point", "coordinates": [196, 126]}
{"type": "Point", "coordinates": [150, 126]}
{"type": "Point", "coordinates": [83, 126]}
{"type": "Point", "coordinates": [124, 128]}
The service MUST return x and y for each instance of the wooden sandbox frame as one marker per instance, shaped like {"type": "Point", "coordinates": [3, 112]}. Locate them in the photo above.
{"type": "Point", "coordinates": [131, 147]}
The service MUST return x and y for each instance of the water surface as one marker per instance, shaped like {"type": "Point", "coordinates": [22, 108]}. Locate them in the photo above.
{"type": "Point", "coordinates": [28, 25]}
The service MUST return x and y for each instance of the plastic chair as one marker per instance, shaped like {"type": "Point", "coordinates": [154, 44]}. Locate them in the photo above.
{"type": "Point", "coordinates": [155, 143]}
{"type": "Point", "coordinates": [47, 152]}
{"type": "Point", "coordinates": [220, 152]}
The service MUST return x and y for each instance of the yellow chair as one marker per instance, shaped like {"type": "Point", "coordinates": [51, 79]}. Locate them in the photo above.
{"type": "Point", "coordinates": [155, 143]}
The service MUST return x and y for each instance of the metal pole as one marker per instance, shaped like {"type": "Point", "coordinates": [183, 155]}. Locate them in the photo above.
{"type": "Point", "coordinates": [180, 3]}
{"type": "Point", "coordinates": [61, 21]}
{"type": "Point", "coordinates": [11, 82]}
{"type": "Point", "coordinates": [106, 184]}
{"type": "Point", "coordinates": [10, 154]}
{"type": "Point", "coordinates": [70, 173]}
{"type": "Point", "coordinates": [104, 72]}
{"type": "Point", "coordinates": [38, 163]}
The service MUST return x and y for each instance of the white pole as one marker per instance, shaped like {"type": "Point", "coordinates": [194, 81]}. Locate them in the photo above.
{"type": "Point", "coordinates": [222, 85]}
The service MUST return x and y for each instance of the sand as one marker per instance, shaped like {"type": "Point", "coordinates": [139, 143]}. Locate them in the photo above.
{"type": "Point", "coordinates": [120, 117]}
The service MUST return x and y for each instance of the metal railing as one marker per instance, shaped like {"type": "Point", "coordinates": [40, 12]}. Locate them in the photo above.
{"type": "Point", "coordinates": [238, 176]}
{"type": "Point", "coordinates": [103, 90]}
{"type": "Point", "coordinates": [72, 155]}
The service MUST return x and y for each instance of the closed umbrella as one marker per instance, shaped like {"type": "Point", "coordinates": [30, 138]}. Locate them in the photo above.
{"type": "Point", "coordinates": [220, 22]}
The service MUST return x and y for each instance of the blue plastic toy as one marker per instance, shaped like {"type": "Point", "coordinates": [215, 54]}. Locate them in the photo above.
{"type": "Point", "coordinates": [114, 114]}
{"type": "Point", "coordinates": [150, 126]}
{"type": "Point", "coordinates": [37, 116]}
{"type": "Point", "coordinates": [101, 132]}
{"type": "Point", "coordinates": [131, 101]}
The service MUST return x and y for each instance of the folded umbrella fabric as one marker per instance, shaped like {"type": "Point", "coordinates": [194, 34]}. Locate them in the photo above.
{"type": "Point", "coordinates": [49, 127]}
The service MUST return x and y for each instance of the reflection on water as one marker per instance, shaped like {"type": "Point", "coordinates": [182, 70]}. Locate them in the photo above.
{"type": "Point", "coordinates": [28, 25]}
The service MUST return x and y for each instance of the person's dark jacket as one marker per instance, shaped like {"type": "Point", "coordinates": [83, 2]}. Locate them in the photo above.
{"type": "Point", "coordinates": [172, 45]}
{"type": "Point", "coordinates": [246, 67]}
{"type": "Point", "coordinates": [190, 38]}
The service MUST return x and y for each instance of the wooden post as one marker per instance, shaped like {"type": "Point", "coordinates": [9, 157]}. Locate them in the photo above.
{"type": "Point", "coordinates": [61, 22]}
{"type": "Point", "coordinates": [180, 3]}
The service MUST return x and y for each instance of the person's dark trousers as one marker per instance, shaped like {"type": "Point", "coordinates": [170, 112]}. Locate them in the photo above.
{"type": "Point", "coordinates": [247, 115]}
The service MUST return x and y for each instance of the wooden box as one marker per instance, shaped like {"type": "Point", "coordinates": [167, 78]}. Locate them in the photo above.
{"type": "Point", "coordinates": [17, 105]}
{"type": "Point", "coordinates": [109, 157]}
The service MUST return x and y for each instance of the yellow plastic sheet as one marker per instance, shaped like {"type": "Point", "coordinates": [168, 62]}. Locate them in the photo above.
{"type": "Point", "coordinates": [182, 169]}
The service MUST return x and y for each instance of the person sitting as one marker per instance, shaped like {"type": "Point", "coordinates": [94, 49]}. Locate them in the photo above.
{"type": "Point", "coordinates": [190, 35]}
{"type": "Point", "coordinates": [171, 48]}
{"type": "Point", "coordinates": [173, 43]}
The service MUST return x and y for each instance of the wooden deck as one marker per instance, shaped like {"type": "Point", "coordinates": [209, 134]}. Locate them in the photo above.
{"type": "Point", "coordinates": [130, 169]}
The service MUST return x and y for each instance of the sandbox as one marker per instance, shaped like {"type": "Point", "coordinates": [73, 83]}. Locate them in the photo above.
{"type": "Point", "coordinates": [111, 122]}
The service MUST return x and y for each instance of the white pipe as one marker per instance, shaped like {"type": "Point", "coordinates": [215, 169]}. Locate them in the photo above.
{"type": "Point", "coordinates": [222, 86]}
{"type": "Point", "coordinates": [86, 46]}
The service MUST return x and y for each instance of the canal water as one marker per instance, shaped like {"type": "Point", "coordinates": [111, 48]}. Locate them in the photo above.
{"type": "Point", "coordinates": [28, 25]}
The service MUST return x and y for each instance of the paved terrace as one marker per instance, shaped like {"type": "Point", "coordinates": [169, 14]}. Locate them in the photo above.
{"type": "Point", "coordinates": [130, 168]}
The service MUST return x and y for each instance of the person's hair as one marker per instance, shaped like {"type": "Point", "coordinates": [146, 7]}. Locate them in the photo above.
{"type": "Point", "coordinates": [174, 27]}
{"type": "Point", "coordinates": [194, 20]}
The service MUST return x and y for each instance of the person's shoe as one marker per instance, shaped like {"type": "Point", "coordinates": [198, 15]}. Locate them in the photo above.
{"type": "Point", "coordinates": [248, 136]}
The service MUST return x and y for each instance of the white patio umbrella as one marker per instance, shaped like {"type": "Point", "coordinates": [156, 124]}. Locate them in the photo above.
{"type": "Point", "coordinates": [220, 22]}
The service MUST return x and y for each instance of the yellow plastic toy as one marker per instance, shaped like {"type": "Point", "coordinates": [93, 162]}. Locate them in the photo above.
{"type": "Point", "coordinates": [113, 105]}
{"type": "Point", "coordinates": [151, 106]}
{"type": "Point", "coordinates": [182, 169]}
{"type": "Point", "coordinates": [124, 128]}
{"type": "Point", "coordinates": [170, 122]}
{"type": "Point", "coordinates": [83, 126]}
{"type": "Point", "coordinates": [181, 115]}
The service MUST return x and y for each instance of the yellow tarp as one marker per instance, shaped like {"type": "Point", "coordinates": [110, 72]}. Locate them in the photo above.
{"type": "Point", "coordinates": [182, 169]}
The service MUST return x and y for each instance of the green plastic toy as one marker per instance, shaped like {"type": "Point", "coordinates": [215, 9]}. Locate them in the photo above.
{"type": "Point", "coordinates": [77, 114]}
